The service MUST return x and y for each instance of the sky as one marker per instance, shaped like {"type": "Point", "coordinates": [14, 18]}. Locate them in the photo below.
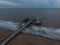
{"type": "Point", "coordinates": [29, 3]}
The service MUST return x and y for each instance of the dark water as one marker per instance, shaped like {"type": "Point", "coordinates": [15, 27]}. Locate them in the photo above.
{"type": "Point", "coordinates": [50, 17]}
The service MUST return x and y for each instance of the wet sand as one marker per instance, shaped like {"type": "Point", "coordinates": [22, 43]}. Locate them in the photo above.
{"type": "Point", "coordinates": [27, 39]}
{"type": "Point", "coordinates": [4, 33]}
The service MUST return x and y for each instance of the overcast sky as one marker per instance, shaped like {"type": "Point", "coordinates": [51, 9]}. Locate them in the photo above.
{"type": "Point", "coordinates": [29, 3]}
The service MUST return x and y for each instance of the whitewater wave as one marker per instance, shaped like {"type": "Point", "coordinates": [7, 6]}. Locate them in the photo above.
{"type": "Point", "coordinates": [9, 25]}
{"type": "Point", "coordinates": [49, 32]}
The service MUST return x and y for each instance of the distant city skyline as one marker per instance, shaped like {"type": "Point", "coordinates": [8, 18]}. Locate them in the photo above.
{"type": "Point", "coordinates": [29, 3]}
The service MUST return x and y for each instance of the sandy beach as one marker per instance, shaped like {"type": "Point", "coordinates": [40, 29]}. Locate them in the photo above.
{"type": "Point", "coordinates": [27, 39]}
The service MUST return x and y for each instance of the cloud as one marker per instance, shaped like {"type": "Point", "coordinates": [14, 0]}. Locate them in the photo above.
{"type": "Point", "coordinates": [30, 3]}
{"type": "Point", "coordinates": [46, 3]}
{"type": "Point", "coordinates": [3, 2]}
{"type": "Point", "coordinates": [57, 4]}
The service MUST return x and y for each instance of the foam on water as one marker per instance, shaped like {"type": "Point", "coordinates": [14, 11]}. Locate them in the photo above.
{"type": "Point", "coordinates": [49, 32]}
{"type": "Point", "coordinates": [9, 25]}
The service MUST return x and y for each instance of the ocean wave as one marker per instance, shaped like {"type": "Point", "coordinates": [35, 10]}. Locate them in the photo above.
{"type": "Point", "coordinates": [9, 25]}
{"type": "Point", "coordinates": [49, 32]}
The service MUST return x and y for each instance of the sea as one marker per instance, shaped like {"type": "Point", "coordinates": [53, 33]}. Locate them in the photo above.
{"type": "Point", "coordinates": [49, 16]}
